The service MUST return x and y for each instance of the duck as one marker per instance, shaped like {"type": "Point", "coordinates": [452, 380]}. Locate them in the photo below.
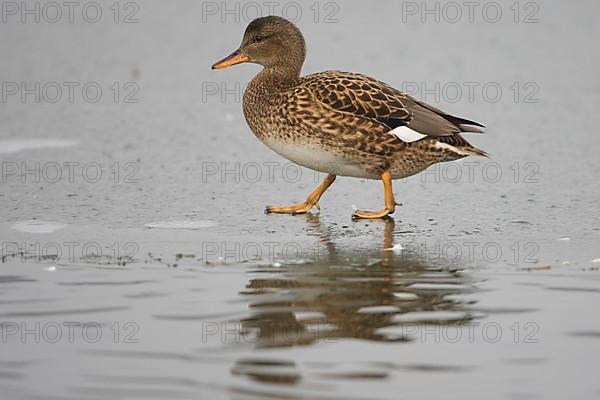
{"type": "Point", "coordinates": [340, 123]}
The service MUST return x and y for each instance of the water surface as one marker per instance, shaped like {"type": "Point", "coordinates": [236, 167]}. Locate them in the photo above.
{"type": "Point", "coordinates": [147, 269]}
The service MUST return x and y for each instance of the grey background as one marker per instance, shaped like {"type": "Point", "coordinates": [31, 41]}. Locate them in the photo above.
{"type": "Point", "coordinates": [342, 277]}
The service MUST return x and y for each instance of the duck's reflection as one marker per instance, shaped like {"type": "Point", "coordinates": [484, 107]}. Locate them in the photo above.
{"type": "Point", "coordinates": [338, 297]}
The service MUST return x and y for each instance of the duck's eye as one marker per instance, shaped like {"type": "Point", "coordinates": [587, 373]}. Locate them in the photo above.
{"type": "Point", "coordinates": [258, 38]}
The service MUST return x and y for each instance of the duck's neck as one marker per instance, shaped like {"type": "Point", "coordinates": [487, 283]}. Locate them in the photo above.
{"type": "Point", "coordinates": [277, 77]}
{"type": "Point", "coordinates": [263, 95]}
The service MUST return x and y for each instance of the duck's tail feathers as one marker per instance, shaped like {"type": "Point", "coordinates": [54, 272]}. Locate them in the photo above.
{"type": "Point", "coordinates": [458, 145]}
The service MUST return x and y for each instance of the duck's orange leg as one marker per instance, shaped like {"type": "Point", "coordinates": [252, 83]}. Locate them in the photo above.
{"type": "Point", "coordinates": [311, 201]}
{"type": "Point", "coordinates": [390, 203]}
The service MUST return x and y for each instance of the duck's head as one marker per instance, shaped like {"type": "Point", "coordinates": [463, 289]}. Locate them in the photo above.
{"type": "Point", "coordinates": [272, 42]}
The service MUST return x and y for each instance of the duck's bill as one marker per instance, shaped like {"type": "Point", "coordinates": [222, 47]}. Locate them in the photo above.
{"type": "Point", "coordinates": [234, 58]}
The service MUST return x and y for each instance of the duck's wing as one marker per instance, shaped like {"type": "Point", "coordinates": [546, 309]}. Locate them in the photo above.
{"type": "Point", "coordinates": [361, 96]}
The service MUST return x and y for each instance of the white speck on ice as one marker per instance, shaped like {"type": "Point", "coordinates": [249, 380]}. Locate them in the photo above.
{"type": "Point", "coordinates": [563, 239]}
{"type": "Point", "coordinates": [51, 268]}
{"type": "Point", "coordinates": [276, 264]}
{"type": "Point", "coordinates": [596, 260]}
{"type": "Point", "coordinates": [37, 226]}
{"type": "Point", "coordinates": [10, 146]}
{"type": "Point", "coordinates": [193, 225]}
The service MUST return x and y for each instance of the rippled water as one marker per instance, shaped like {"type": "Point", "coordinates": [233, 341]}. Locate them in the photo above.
{"type": "Point", "coordinates": [357, 321]}
{"type": "Point", "coordinates": [162, 278]}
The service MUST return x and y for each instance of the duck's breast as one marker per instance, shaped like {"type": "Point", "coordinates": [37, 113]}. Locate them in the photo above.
{"type": "Point", "coordinates": [316, 157]}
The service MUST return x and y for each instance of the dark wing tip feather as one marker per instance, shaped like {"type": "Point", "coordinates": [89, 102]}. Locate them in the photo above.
{"type": "Point", "coordinates": [465, 125]}
{"type": "Point", "coordinates": [470, 129]}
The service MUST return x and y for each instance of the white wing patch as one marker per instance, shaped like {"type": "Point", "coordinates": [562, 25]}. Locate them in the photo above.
{"type": "Point", "coordinates": [406, 134]}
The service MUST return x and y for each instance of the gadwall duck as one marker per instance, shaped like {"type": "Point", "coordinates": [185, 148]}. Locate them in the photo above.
{"type": "Point", "coordinates": [340, 123]}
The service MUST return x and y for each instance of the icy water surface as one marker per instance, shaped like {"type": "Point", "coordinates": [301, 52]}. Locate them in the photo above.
{"type": "Point", "coordinates": [137, 262]}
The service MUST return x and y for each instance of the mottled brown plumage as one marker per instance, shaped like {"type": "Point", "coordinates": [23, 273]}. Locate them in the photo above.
{"type": "Point", "coordinates": [342, 123]}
